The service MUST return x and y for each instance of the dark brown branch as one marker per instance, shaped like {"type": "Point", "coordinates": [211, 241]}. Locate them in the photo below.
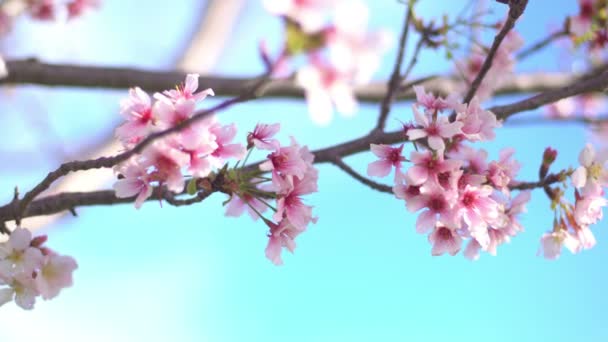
{"type": "Point", "coordinates": [516, 8]}
{"type": "Point", "coordinates": [395, 80]}
{"type": "Point", "coordinates": [364, 180]}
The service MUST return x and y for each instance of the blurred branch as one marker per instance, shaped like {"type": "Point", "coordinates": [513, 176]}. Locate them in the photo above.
{"type": "Point", "coordinates": [33, 72]}
{"type": "Point", "coordinates": [536, 47]}
{"type": "Point", "coordinates": [364, 180]}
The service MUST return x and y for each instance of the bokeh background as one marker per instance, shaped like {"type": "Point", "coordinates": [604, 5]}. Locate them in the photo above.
{"type": "Point", "coordinates": [360, 274]}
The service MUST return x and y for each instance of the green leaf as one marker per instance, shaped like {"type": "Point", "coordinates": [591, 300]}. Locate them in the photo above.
{"type": "Point", "coordinates": [191, 188]}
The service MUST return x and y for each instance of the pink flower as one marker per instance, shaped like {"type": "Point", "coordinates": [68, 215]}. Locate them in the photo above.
{"type": "Point", "coordinates": [439, 209]}
{"type": "Point", "coordinates": [167, 162]}
{"type": "Point", "coordinates": [187, 90]}
{"type": "Point", "coordinates": [477, 210]}
{"type": "Point", "coordinates": [225, 150]}
{"type": "Point", "coordinates": [285, 161]}
{"type": "Point", "coordinates": [310, 14]}
{"type": "Point", "coordinates": [281, 235]}
{"type": "Point", "coordinates": [500, 173]}
{"type": "Point", "coordinates": [289, 202]}
{"type": "Point", "coordinates": [77, 7]}
{"type": "Point", "coordinates": [436, 129]}
{"type": "Point", "coordinates": [22, 290]}
{"type": "Point", "coordinates": [353, 50]}
{"type": "Point", "coordinates": [581, 24]}
{"type": "Point", "coordinates": [137, 109]}
{"type": "Point", "coordinates": [17, 256]}
{"type": "Point", "coordinates": [477, 124]}
{"type": "Point", "coordinates": [592, 168]}
{"type": "Point", "coordinates": [136, 182]}
{"type": "Point", "coordinates": [238, 204]}
{"type": "Point", "coordinates": [55, 274]}
{"type": "Point", "coordinates": [589, 204]}
{"type": "Point", "coordinates": [261, 136]}
{"type": "Point", "coordinates": [444, 240]}
{"type": "Point", "coordinates": [427, 167]}
{"type": "Point", "coordinates": [389, 157]}
{"type": "Point", "coordinates": [551, 244]}
{"type": "Point", "coordinates": [429, 101]}
{"type": "Point", "coordinates": [326, 87]}
{"type": "Point", "coordinates": [42, 9]}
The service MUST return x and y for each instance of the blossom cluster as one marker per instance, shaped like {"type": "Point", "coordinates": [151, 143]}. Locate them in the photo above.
{"type": "Point", "coordinates": [459, 194]}
{"type": "Point", "coordinates": [571, 227]}
{"type": "Point", "coordinates": [341, 51]}
{"type": "Point", "coordinates": [292, 176]}
{"type": "Point", "coordinates": [44, 10]}
{"type": "Point", "coordinates": [28, 270]}
{"type": "Point", "coordinates": [503, 65]}
{"type": "Point", "coordinates": [199, 148]}
{"type": "Point", "coordinates": [591, 23]}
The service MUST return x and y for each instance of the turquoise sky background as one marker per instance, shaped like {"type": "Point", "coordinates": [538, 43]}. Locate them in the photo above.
{"type": "Point", "coordinates": [360, 274]}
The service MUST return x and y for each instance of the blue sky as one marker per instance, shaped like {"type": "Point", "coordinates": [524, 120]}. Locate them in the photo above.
{"type": "Point", "coordinates": [360, 274]}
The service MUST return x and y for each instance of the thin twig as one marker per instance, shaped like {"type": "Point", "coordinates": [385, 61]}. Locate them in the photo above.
{"type": "Point", "coordinates": [516, 8]}
{"type": "Point", "coordinates": [395, 79]}
{"type": "Point", "coordinates": [364, 180]}
{"type": "Point", "coordinates": [541, 44]}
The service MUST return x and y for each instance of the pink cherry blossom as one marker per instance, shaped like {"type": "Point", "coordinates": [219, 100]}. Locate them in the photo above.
{"type": "Point", "coordinates": [77, 7]}
{"type": "Point", "coordinates": [592, 169]}
{"type": "Point", "coordinates": [224, 134]}
{"type": "Point", "coordinates": [436, 129]}
{"type": "Point", "coordinates": [261, 136]}
{"type": "Point", "coordinates": [17, 257]}
{"type": "Point", "coordinates": [167, 163]}
{"type": "Point", "coordinates": [325, 88]}
{"type": "Point", "coordinates": [477, 209]}
{"type": "Point", "coordinates": [551, 244]}
{"type": "Point", "coordinates": [439, 207]}
{"type": "Point", "coordinates": [353, 49]}
{"type": "Point", "coordinates": [239, 203]}
{"type": "Point", "coordinates": [281, 235]}
{"type": "Point", "coordinates": [426, 167]}
{"type": "Point", "coordinates": [444, 240]}
{"type": "Point", "coordinates": [589, 204]}
{"type": "Point", "coordinates": [55, 274]}
{"type": "Point", "coordinates": [389, 157]}
{"type": "Point", "coordinates": [500, 173]}
{"type": "Point", "coordinates": [285, 161]}
{"type": "Point", "coordinates": [136, 182]}
{"type": "Point", "coordinates": [310, 14]}
{"type": "Point", "coordinates": [187, 90]}
{"type": "Point", "coordinates": [581, 24]}
{"type": "Point", "coordinates": [137, 109]}
{"type": "Point", "coordinates": [429, 101]}
{"type": "Point", "coordinates": [477, 124]}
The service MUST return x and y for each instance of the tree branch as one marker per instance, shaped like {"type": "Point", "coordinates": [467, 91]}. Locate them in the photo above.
{"type": "Point", "coordinates": [393, 83]}
{"type": "Point", "coordinates": [30, 71]}
{"type": "Point", "coordinates": [364, 180]}
{"type": "Point", "coordinates": [107, 162]}
{"type": "Point", "coordinates": [516, 8]}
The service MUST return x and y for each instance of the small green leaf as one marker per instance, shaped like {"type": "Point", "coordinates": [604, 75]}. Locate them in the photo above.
{"type": "Point", "coordinates": [191, 188]}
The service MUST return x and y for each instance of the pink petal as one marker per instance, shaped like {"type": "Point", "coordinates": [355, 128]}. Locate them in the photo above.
{"type": "Point", "coordinates": [379, 168]}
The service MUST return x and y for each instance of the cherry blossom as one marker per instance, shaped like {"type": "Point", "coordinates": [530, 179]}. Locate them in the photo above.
{"type": "Point", "coordinates": [436, 129]}
{"type": "Point", "coordinates": [444, 240]}
{"type": "Point", "coordinates": [261, 136]}
{"type": "Point", "coordinates": [28, 270]}
{"type": "Point", "coordinates": [309, 14]}
{"type": "Point", "coordinates": [551, 244]}
{"type": "Point", "coordinates": [592, 169]}
{"type": "Point", "coordinates": [389, 157]}
{"type": "Point", "coordinates": [325, 88]}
